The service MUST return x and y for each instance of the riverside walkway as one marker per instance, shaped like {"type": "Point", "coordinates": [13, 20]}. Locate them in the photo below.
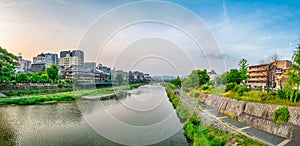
{"type": "Point", "coordinates": [251, 132]}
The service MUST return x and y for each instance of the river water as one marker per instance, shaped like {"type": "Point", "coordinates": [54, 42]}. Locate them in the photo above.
{"type": "Point", "coordinates": [145, 117]}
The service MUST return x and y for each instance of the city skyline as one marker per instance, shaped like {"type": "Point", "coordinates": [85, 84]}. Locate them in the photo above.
{"type": "Point", "coordinates": [260, 28]}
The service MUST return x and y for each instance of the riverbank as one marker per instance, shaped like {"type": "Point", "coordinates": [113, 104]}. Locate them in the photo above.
{"type": "Point", "coordinates": [65, 96]}
{"type": "Point", "coordinates": [198, 132]}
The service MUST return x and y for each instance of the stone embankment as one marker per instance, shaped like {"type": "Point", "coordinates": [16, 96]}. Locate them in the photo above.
{"type": "Point", "coordinates": [256, 115]}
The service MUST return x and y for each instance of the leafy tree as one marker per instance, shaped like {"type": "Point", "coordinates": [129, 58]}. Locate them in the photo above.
{"type": "Point", "coordinates": [196, 79]}
{"type": "Point", "coordinates": [119, 79]}
{"type": "Point", "coordinates": [243, 69]}
{"type": "Point", "coordinates": [44, 78]}
{"type": "Point", "coordinates": [52, 72]}
{"type": "Point", "coordinates": [8, 64]}
{"type": "Point", "coordinates": [293, 77]}
{"type": "Point", "coordinates": [294, 72]}
{"type": "Point", "coordinates": [35, 77]}
{"type": "Point", "coordinates": [221, 80]}
{"type": "Point", "coordinates": [22, 78]}
{"type": "Point", "coordinates": [176, 82]}
{"type": "Point", "coordinates": [233, 76]}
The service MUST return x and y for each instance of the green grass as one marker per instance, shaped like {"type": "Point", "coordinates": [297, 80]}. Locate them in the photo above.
{"type": "Point", "coordinates": [66, 96]}
{"type": "Point", "coordinates": [199, 133]}
{"type": "Point", "coordinates": [38, 99]}
{"type": "Point", "coordinates": [250, 96]}
{"type": "Point", "coordinates": [217, 91]}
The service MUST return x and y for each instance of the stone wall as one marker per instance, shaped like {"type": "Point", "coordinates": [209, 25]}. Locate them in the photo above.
{"type": "Point", "coordinates": [257, 115]}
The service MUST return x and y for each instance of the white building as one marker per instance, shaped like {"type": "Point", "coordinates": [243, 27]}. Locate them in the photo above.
{"type": "Point", "coordinates": [41, 59]}
{"type": "Point", "coordinates": [68, 61]}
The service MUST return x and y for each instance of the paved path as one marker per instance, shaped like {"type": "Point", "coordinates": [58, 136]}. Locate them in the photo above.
{"type": "Point", "coordinates": [254, 133]}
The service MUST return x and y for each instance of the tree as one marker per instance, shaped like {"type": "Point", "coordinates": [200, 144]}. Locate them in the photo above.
{"type": "Point", "coordinates": [44, 78]}
{"type": "Point", "coordinates": [52, 72]}
{"type": "Point", "coordinates": [243, 69]}
{"type": "Point", "coordinates": [8, 64]}
{"type": "Point", "coordinates": [119, 79]}
{"type": "Point", "coordinates": [22, 78]}
{"type": "Point", "coordinates": [35, 77]}
{"type": "Point", "coordinates": [294, 72]}
{"type": "Point", "coordinates": [233, 76]}
{"type": "Point", "coordinates": [176, 82]}
{"type": "Point", "coordinates": [196, 79]}
{"type": "Point", "coordinates": [221, 80]}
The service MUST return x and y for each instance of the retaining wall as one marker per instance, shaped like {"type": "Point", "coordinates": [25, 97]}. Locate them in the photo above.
{"type": "Point", "coordinates": [257, 115]}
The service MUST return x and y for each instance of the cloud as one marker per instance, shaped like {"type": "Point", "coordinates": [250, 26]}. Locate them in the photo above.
{"type": "Point", "coordinates": [9, 4]}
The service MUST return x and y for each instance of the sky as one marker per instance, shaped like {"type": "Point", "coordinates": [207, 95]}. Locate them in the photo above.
{"type": "Point", "coordinates": [159, 37]}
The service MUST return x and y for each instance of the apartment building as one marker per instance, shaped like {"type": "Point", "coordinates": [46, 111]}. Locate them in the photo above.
{"type": "Point", "coordinates": [69, 58]}
{"type": "Point", "coordinates": [276, 70]}
{"type": "Point", "coordinates": [42, 59]}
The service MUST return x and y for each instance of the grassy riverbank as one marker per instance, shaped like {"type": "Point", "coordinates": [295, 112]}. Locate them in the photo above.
{"type": "Point", "coordinates": [198, 132]}
{"type": "Point", "coordinates": [65, 96]}
{"type": "Point", "coordinates": [245, 94]}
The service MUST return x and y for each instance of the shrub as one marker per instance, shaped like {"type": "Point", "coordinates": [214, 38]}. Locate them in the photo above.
{"type": "Point", "coordinates": [232, 94]}
{"type": "Point", "coordinates": [230, 86]}
{"type": "Point", "coordinates": [204, 87]}
{"type": "Point", "coordinates": [281, 94]}
{"type": "Point", "coordinates": [242, 89]}
{"type": "Point", "coordinates": [281, 115]}
{"type": "Point", "coordinates": [236, 88]}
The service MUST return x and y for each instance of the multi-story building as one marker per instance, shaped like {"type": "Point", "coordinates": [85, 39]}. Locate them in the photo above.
{"type": "Point", "coordinates": [68, 61]}
{"type": "Point", "coordinates": [124, 74]}
{"type": "Point", "coordinates": [274, 71]}
{"type": "Point", "coordinates": [69, 58]}
{"type": "Point", "coordinates": [52, 56]}
{"type": "Point", "coordinates": [42, 59]}
{"type": "Point", "coordinates": [136, 76]}
{"type": "Point", "coordinates": [80, 56]}
{"type": "Point", "coordinates": [24, 65]}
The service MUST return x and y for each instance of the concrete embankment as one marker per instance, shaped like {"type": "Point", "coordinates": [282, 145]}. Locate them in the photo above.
{"type": "Point", "coordinates": [256, 115]}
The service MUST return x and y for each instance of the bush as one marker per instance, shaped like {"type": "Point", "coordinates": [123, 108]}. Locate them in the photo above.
{"type": "Point", "coordinates": [204, 87]}
{"type": "Point", "coordinates": [230, 86]}
{"type": "Point", "coordinates": [242, 89]}
{"type": "Point", "coordinates": [281, 94]}
{"type": "Point", "coordinates": [281, 115]}
{"type": "Point", "coordinates": [236, 88]}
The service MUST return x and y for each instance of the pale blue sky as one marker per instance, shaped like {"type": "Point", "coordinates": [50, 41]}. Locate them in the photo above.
{"type": "Point", "coordinates": [243, 29]}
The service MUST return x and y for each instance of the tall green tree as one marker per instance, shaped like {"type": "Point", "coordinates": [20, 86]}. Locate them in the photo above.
{"type": "Point", "coordinates": [119, 79]}
{"type": "Point", "coordinates": [221, 80]}
{"type": "Point", "coordinates": [8, 64]}
{"type": "Point", "coordinates": [52, 72]}
{"type": "Point", "coordinates": [44, 78]}
{"type": "Point", "coordinates": [22, 77]}
{"type": "Point", "coordinates": [233, 76]}
{"type": "Point", "coordinates": [243, 64]}
{"type": "Point", "coordinates": [35, 77]}
{"type": "Point", "coordinates": [196, 79]}
{"type": "Point", "coordinates": [294, 72]}
{"type": "Point", "coordinates": [176, 82]}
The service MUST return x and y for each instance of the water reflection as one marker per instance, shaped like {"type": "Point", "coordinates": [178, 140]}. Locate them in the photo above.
{"type": "Point", "coordinates": [66, 124]}
{"type": "Point", "coordinates": [7, 136]}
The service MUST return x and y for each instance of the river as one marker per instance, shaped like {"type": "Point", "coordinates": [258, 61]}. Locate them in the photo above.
{"type": "Point", "coordinates": [145, 117]}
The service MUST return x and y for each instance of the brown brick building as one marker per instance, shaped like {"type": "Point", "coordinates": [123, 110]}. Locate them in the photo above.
{"type": "Point", "coordinates": [277, 72]}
